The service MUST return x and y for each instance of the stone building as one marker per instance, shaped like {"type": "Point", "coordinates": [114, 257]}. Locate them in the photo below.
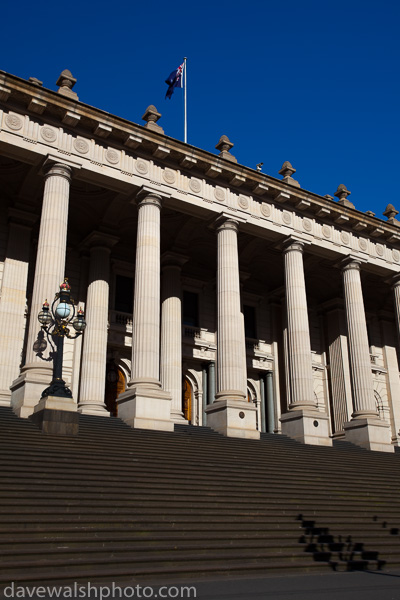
{"type": "Point", "coordinates": [213, 293]}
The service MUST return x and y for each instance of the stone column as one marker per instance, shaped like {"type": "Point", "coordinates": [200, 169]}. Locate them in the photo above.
{"type": "Point", "coordinates": [171, 332]}
{"type": "Point", "coordinates": [341, 397]}
{"type": "Point", "coordinates": [94, 357]}
{"type": "Point", "coordinates": [396, 299]}
{"type": "Point", "coordinates": [303, 421]}
{"type": "Point", "coordinates": [391, 363]}
{"type": "Point", "coordinates": [49, 273]}
{"type": "Point", "coordinates": [365, 429]}
{"type": "Point", "coordinates": [144, 404]}
{"type": "Point", "coordinates": [13, 299]}
{"type": "Point", "coordinates": [230, 413]}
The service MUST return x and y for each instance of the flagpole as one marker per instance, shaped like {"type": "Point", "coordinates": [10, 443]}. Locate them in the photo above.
{"type": "Point", "coordinates": [185, 102]}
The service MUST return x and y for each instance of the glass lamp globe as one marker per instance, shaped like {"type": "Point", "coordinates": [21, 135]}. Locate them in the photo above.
{"type": "Point", "coordinates": [44, 316]}
{"type": "Point", "coordinates": [63, 310]}
{"type": "Point", "coordinates": [79, 322]}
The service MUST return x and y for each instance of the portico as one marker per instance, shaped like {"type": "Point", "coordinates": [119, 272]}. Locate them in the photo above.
{"type": "Point", "coordinates": [268, 306]}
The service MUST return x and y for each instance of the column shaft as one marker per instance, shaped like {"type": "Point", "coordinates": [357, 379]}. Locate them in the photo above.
{"type": "Point", "coordinates": [171, 338]}
{"type": "Point", "coordinates": [231, 373]}
{"type": "Point", "coordinates": [144, 404]}
{"type": "Point", "coordinates": [146, 308]}
{"type": "Point", "coordinates": [298, 334]}
{"type": "Point", "coordinates": [229, 412]}
{"type": "Point", "coordinates": [12, 306]}
{"type": "Point", "coordinates": [360, 361]}
{"type": "Point", "coordinates": [49, 273]}
{"type": "Point", "coordinates": [94, 357]}
{"type": "Point", "coordinates": [396, 299]}
{"type": "Point", "coordinates": [52, 245]}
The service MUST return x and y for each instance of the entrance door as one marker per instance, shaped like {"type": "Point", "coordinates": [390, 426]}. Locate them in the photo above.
{"type": "Point", "coordinates": [187, 400]}
{"type": "Point", "coordinates": [115, 385]}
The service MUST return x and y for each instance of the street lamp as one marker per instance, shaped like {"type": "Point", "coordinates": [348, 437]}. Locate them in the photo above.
{"type": "Point", "coordinates": [54, 321]}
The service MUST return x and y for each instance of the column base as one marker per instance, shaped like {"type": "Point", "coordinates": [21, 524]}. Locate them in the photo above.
{"type": "Point", "coordinates": [178, 418]}
{"type": "Point", "coordinates": [27, 389]}
{"type": "Point", "coordinates": [56, 416]}
{"type": "Point", "coordinates": [145, 408]}
{"type": "Point", "coordinates": [233, 418]}
{"type": "Point", "coordinates": [5, 398]}
{"type": "Point", "coordinates": [96, 410]}
{"type": "Point", "coordinates": [369, 433]}
{"type": "Point", "coordinates": [307, 427]}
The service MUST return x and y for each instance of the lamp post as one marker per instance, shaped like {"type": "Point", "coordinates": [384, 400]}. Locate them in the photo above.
{"type": "Point", "coordinates": [55, 321]}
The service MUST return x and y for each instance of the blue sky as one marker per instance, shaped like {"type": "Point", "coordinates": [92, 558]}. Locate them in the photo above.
{"type": "Point", "coordinates": [312, 82]}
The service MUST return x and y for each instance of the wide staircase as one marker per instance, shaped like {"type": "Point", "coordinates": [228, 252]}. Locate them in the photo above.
{"type": "Point", "coordinates": [117, 504]}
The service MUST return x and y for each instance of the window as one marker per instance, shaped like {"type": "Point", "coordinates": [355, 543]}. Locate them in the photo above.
{"type": "Point", "coordinates": [124, 294]}
{"type": "Point", "coordinates": [250, 329]}
{"type": "Point", "coordinates": [190, 309]}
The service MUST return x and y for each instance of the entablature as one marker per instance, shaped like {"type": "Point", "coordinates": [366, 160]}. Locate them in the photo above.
{"type": "Point", "coordinates": [124, 156]}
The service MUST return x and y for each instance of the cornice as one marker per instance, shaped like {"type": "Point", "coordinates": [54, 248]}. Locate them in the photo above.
{"type": "Point", "coordinates": [83, 120]}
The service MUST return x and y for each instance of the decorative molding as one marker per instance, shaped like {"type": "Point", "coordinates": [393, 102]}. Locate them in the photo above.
{"type": "Point", "coordinates": [14, 122]}
{"type": "Point", "coordinates": [81, 145]}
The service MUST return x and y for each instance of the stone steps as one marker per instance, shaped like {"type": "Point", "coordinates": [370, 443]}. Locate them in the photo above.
{"type": "Point", "coordinates": [132, 505]}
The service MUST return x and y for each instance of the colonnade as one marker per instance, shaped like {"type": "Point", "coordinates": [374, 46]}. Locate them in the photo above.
{"type": "Point", "coordinates": [153, 395]}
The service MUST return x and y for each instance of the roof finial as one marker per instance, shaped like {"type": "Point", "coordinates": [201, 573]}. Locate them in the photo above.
{"type": "Point", "coordinates": [151, 117]}
{"type": "Point", "coordinates": [224, 145]}
{"type": "Point", "coordinates": [287, 171]}
{"type": "Point", "coordinates": [342, 192]}
{"type": "Point", "coordinates": [66, 82]}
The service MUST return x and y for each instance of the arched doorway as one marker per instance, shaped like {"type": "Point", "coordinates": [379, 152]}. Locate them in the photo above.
{"type": "Point", "coordinates": [187, 399]}
{"type": "Point", "coordinates": [115, 385]}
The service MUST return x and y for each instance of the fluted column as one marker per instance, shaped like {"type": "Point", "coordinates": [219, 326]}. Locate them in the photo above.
{"type": "Point", "coordinates": [49, 273]}
{"type": "Point", "coordinates": [365, 428]}
{"type": "Point", "coordinates": [171, 332]}
{"type": "Point", "coordinates": [360, 361]}
{"type": "Point", "coordinates": [303, 421]}
{"type": "Point", "coordinates": [145, 404]}
{"type": "Point", "coordinates": [230, 413]}
{"type": "Point", "coordinates": [298, 333]}
{"type": "Point", "coordinates": [146, 306]}
{"type": "Point", "coordinates": [13, 300]}
{"type": "Point", "coordinates": [231, 374]}
{"type": "Point", "coordinates": [396, 299]}
{"type": "Point", "coordinates": [94, 357]}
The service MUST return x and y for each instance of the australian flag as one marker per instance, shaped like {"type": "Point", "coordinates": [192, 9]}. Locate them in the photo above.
{"type": "Point", "coordinates": [174, 80]}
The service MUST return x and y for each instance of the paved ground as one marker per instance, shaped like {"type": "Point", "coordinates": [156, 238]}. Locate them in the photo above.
{"type": "Point", "coordinates": [365, 585]}
{"type": "Point", "coordinates": [332, 586]}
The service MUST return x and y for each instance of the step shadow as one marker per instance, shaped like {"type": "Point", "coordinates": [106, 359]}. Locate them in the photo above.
{"type": "Point", "coordinates": [337, 551]}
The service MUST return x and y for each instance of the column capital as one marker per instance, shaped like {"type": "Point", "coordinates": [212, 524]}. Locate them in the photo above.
{"type": "Point", "coordinates": [293, 244]}
{"type": "Point", "coordinates": [351, 262]}
{"type": "Point", "coordinates": [53, 165]}
{"type": "Point", "coordinates": [227, 221]}
{"type": "Point", "coordinates": [173, 259]}
{"type": "Point", "coordinates": [147, 195]}
{"type": "Point", "coordinates": [395, 281]}
{"type": "Point", "coordinates": [21, 217]}
{"type": "Point", "coordinates": [98, 239]}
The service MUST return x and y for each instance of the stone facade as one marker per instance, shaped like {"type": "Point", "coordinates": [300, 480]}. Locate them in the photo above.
{"type": "Point", "coordinates": [214, 294]}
